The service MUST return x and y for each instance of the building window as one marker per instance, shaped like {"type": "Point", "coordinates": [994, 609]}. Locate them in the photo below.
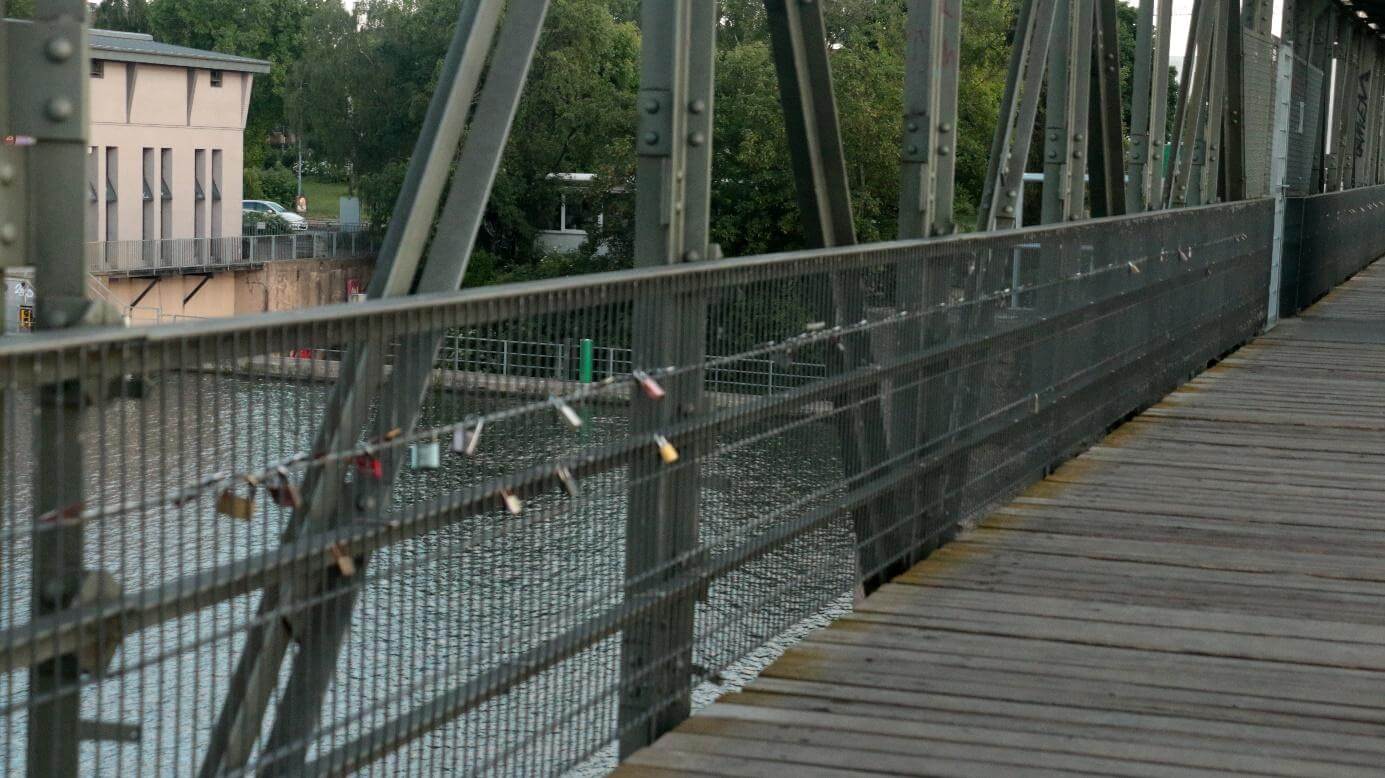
{"type": "Point", "coordinates": [216, 78]}
{"type": "Point", "coordinates": [112, 193]}
{"type": "Point", "coordinates": [98, 68]}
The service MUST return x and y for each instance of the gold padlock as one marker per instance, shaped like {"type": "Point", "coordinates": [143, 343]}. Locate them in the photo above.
{"type": "Point", "coordinates": [228, 503]}
{"type": "Point", "coordinates": [666, 450]}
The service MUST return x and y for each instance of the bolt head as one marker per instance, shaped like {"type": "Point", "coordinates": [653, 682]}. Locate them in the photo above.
{"type": "Point", "coordinates": [8, 234]}
{"type": "Point", "coordinates": [651, 138]}
{"type": "Point", "coordinates": [1009, 209]}
{"type": "Point", "coordinates": [59, 49]}
{"type": "Point", "coordinates": [697, 106]}
{"type": "Point", "coordinates": [692, 255]}
{"type": "Point", "coordinates": [651, 106]}
{"type": "Point", "coordinates": [60, 109]}
{"type": "Point", "coordinates": [696, 139]}
{"type": "Point", "coordinates": [912, 149]}
{"type": "Point", "coordinates": [913, 126]}
{"type": "Point", "coordinates": [943, 151]}
{"type": "Point", "coordinates": [7, 174]}
{"type": "Point", "coordinates": [945, 127]}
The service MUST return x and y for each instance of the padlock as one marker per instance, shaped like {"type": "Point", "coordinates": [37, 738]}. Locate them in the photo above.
{"type": "Point", "coordinates": [283, 491]}
{"type": "Point", "coordinates": [465, 441]}
{"type": "Point", "coordinates": [651, 388]}
{"type": "Point", "coordinates": [370, 466]}
{"type": "Point", "coordinates": [569, 415]}
{"type": "Point", "coordinates": [666, 450]}
{"type": "Point", "coordinates": [569, 482]}
{"type": "Point", "coordinates": [424, 455]}
{"type": "Point", "coordinates": [512, 502]}
{"type": "Point", "coordinates": [345, 564]}
{"type": "Point", "coordinates": [228, 503]}
{"type": "Point", "coordinates": [1134, 268]}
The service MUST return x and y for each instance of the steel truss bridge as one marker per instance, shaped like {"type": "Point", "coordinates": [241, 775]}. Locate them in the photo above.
{"type": "Point", "coordinates": [303, 543]}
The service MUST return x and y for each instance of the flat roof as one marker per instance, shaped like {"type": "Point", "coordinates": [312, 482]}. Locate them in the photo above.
{"type": "Point", "coordinates": [114, 46]}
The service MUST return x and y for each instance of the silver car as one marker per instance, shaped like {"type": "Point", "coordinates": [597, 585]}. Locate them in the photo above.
{"type": "Point", "coordinates": [293, 220]}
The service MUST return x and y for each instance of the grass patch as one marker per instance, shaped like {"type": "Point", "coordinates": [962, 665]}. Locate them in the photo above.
{"type": "Point", "coordinates": [322, 198]}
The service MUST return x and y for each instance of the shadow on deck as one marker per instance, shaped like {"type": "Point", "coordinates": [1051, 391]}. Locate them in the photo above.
{"type": "Point", "coordinates": [1203, 592]}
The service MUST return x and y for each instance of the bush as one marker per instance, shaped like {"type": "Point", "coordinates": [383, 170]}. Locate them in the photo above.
{"type": "Point", "coordinates": [256, 223]}
{"type": "Point", "coordinates": [277, 184]}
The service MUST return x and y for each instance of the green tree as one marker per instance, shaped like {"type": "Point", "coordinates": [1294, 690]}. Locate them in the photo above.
{"type": "Point", "coordinates": [127, 15]}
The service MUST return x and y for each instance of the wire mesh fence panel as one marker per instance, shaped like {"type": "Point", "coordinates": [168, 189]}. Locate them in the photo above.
{"type": "Point", "coordinates": [461, 582]}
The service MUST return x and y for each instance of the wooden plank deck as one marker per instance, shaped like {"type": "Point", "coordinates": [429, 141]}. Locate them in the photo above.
{"type": "Point", "coordinates": [1203, 592]}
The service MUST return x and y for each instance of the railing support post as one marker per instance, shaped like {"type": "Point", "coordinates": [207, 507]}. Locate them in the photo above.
{"type": "Point", "coordinates": [674, 143]}
{"type": "Point", "coordinates": [1279, 165]}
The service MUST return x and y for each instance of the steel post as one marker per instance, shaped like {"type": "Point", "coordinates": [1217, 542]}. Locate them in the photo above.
{"type": "Point", "coordinates": [1279, 164]}
{"type": "Point", "coordinates": [1140, 129]}
{"type": "Point", "coordinates": [48, 96]}
{"type": "Point", "coordinates": [1233, 133]}
{"type": "Point", "coordinates": [1065, 139]}
{"type": "Point", "coordinates": [672, 212]}
{"type": "Point", "coordinates": [930, 118]}
{"type": "Point", "coordinates": [1105, 153]}
{"type": "Point", "coordinates": [1159, 105]}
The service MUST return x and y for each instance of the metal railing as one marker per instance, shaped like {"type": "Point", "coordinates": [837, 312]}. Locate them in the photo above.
{"type": "Point", "coordinates": [482, 616]}
{"type": "Point", "coordinates": [563, 361]}
{"type": "Point", "coordinates": [195, 254]}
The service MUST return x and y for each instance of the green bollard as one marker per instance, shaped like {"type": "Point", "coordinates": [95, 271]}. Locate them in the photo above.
{"type": "Point", "coordinates": [586, 369]}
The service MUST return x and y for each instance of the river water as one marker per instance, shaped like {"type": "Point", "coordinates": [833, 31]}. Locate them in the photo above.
{"type": "Point", "coordinates": [437, 611]}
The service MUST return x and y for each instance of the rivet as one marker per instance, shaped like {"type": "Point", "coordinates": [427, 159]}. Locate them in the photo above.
{"type": "Point", "coordinates": [6, 174]}
{"type": "Point", "coordinates": [1079, 136]}
{"type": "Point", "coordinates": [943, 151]}
{"type": "Point", "coordinates": [696, 139]}
{"type": "Point", "coordinates": [945, 127]}
{"type": "Point", "coordinates": [692, 255]}
{"type": "Point", "coordinates": [913, 126]}
{"type": "Point", "coordinates": [912, 149]}
{"type": "Point", "coordinates": [697, 106]}
{"type": "Point", "coordinates": [1077, 154]}
{"type": "Point", "coordinates": [60, 109]}
{"type": "Point", "coordinates": [651, 106]}
{"type": "Point", "coordinates": [1009, 209]}
{"type": "Point", "coordinates": [59, 49]}
{"type": "Point", "coordinates": [651, 138]}
{"type": "Point", "coordinates": [1012, 194]}
{"type": "Point", "coordinates": [8, 234]}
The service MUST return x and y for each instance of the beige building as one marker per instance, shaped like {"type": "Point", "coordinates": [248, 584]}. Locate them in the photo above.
{"type": "Point", "coordinates": [167, 149]}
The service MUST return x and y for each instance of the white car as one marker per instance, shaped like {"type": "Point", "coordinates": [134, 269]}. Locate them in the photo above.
{"type": "Point", "coordinates": [293, 220]}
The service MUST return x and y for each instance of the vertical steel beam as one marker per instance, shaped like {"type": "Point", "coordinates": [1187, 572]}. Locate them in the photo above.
{"type": "Point", "coordinates": [1068, 101]}
{"type": "Point", "coordinates": [1159, 106]}
{"type": "Point", "coordinates": [1233, 132]}
{"type": "Point", "coordinates": [930, 118]}
{"type": "Point", "coordinates": [1206, 177]}
{"type": "Point", "coordinates": [1140, 129]}
{"type": "Point", "coordinates": [1105, 155]}
{"type": "Point", "coordinates": [48, 92]}
{"type": "Point", "coordinates": [925, 210]}
{"type": "Point", "coordinates": [672, 207]}
{"type": "Point", "coordinates": [1002, 198]}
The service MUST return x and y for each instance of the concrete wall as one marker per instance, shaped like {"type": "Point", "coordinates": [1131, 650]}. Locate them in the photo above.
{"type": "Point", "coordinates": [139, 106]}
{"type": "Point", "coordinates": [278, 286]}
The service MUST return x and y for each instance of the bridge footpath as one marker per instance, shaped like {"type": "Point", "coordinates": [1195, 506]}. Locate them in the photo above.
{"type": "Point", "coordinates": [1203, 592]}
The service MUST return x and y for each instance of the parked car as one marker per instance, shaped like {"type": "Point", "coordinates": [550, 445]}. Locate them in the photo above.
{"type": "Point", "coordinates": [268, 207]}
